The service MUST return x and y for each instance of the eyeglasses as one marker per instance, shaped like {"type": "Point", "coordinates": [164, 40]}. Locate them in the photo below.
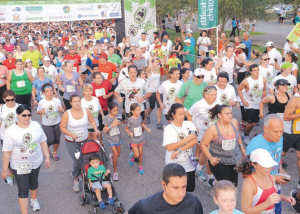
{"type": "Point", "coordinates": [266, 59]}
{"type": "Point", "coordinates": [200, 77]}
{"type": "Point", "coordinates": [10, 100]}
{"type": "Point", "coordinates": [26, 115]}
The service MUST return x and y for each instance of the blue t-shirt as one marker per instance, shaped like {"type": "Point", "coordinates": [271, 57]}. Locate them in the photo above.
{"type": "Point", "coordinates": [90, 63]}
{"type": "Point", "coordinates": [234, 212]}
{"type": "Point", "coordinates": [37, 83]}
{"type": "Point", "coordinates": [193, 43]}
{"type": "Point", "coordinates": [275, 149]}
{"type": "Point", "coordinates": [233, 23]}
{"type": "Point", "coordinates": [248, 44]}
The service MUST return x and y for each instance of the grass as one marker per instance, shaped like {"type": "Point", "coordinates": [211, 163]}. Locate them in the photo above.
{"type": "Point", "coordinates": [251, 33]}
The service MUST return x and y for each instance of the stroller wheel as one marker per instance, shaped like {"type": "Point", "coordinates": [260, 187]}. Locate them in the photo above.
{"type": "Point", "coordinates": [121, 208]}
{"type": "Point", "coordinates": [86, 199]}
{"type": "Point", "coordinates": [81, 200]}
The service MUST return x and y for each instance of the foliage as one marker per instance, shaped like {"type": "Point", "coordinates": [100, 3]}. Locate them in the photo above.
{"type": "Point", "coordinates": [128, 3]}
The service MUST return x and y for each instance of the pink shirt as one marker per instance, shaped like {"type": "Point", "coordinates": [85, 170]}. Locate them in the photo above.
{"type": "Point", "coordinates": [10, 48]}
{"type": "Point", "coordinates": [3, 71]}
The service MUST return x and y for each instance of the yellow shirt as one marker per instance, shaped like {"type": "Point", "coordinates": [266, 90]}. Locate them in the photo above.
{"type": "Point", "coordinates": [34, 56]}
{"type": "Point", "coordinates": [98, 35]}
{"type": "Point", "coordinates": [173, 62]}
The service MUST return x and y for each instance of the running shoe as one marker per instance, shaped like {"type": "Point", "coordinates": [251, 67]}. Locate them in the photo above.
{"type": "Point", "coordinates": [111, 156]}
{"type": "Point", "coordinates": [76, 187]}
{"type": "Point", "coordinates": [55, 156]}
{"type": "Point", "coordinates": [131, 160]}
{"type": "Point", "coordinates": [129, 145]}
{"type": "Point", "coordinates": [284, 165]}
{"type": "Point", "coordinates": [211, 182]}
{"type": "Point", "coordinates": [246, 139]}
{"type": "Point", "coordinates": [200, 176]}
{"type": "Point", "coordinates": [111, 201]}
{"type": "Point", "coordinates": [35, 205]}
{"type": "Point", "coordinates": [102, 205]}
{"type": "Point", "coordinates": [159, 126]}
{"type": "Point", "coordinates": [242, 126]}
{"type": "Point", "coordinates": [296, 207]}
{"type": "Point", "coordinates": [141, 170]}
{"type": "Point", "coordinates": [115, 176]}
{"type": "Point", "coordinates": [148, 120]}
{"type": "Point", "coordinates": [298, 186]}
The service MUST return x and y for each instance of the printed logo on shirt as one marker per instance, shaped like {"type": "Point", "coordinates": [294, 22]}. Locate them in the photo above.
{"type": "Point", "coordinates": [51, 115]}
{"type": "Point", "coordinates": [94, 114]}
{"type": "Point", "coordinates": [47, 74]}
{"type": "Point", "coordinates": [268, 76]}
{"type": "Point", "coordinates": [224, 98]}
{"type": "Point", "coordinates": [50, 109]}
{"type": "Point", "coordinates": [181, 136]}
{"type": "Point", "coordinates": [256, 93]}
{"type": "Point", "coordinates": [10, 119]}
{"type": "Point", "coordinates": [28, 146]}
{"type": "Point", "coordinates": [132, 93]}
{"type": "Point", "coordinates": [171, 96]}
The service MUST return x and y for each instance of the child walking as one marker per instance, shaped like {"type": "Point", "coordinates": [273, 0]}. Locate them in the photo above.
{"type": "Point", "coordinates": [95, 171]}
{"type": "Point", "coordinates": [111, 124]}
{"type": "Point", "coordinates": [133, 128]}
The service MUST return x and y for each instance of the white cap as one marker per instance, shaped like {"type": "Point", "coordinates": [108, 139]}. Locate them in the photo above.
{"type": "Point", "coordinates": [59, 38]}
{"type": "Point", "coordinates": [132, 44]}
{"type": "Point", "coordinates": [198, 72]}
{"type": "Point", "coordinates": [269, 43]}
{"type": "Point", "coordinates": [30, 44]}
{"type": "Point", "coordinates": [74, 36]}
{"type": "Point", "coordinates": [263, 158]}
{"type": "Point", "coordinates": [28, 60]}
{"type": "Point", "coordinates": [187, 41]}
{"type": "Point", "coordinates": [189, 31]}
{"type": "Point", "coordinates": [105, 40]}
{"type": "Point", "coordinates": [46, 58]}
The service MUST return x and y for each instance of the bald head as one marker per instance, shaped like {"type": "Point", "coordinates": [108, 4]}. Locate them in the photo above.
{"type": "Point", "coordinates": [273, 128]}
{"type": "Point", "coordinates": [139, 52]}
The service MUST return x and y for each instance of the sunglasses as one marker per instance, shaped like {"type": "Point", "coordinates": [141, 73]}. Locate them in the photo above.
{"type": "Point", "coordinates": [26, 115]}
{"type": "Point", "coordinates": [10, 100]}
{"type": "Point", "coordinates": [266, 59]}
{"type": "Point", "coordinates": [200, 77]}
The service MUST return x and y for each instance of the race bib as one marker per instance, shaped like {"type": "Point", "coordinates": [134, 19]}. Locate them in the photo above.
{"type": "Point", "coordinates": [280, 115]}
{"type": "Point", "coordinates": [79, 135]}
{"type": "Point", "coordinates": [184, 155]}
{"type": "Point", "coordinates": [20, 83]}
{"type": "Point", "coordinates": [100, 92]}
{"type": "Point", "coordinates": [23, 168]}
{"type": "Point", "coordinates": [105, 75]}
{"type": "Point", "coordinates": [70, 88]}
{"type": "Point", "coordinates": [137, 131]}
{"type": "Point", "coordinates": [74, 69]}
{"type": "Point", "coordinates": [114, 131]}
{"type": "Point", "coordinates": [228, 145]}
{"type": "Point", "coordinates": [1, 81]}
{"type": "Point", "coordinates": [52, 119]}
{"type": "Point", "coordinates": [268, 212]}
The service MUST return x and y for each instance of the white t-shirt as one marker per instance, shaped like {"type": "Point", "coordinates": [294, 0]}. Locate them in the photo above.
{"type": "Point", "coordinates": [146, 55]}
{"type": "Point", "coordinates": [226, 94]}
{"type": "Point", "coordinates": [275, 54]}
{"type": "Point", "coordinates": [169, 91]}
{"type": "Point", "coordinates": [45, 45]}
{"type": "Point", "coordinates": [52, 116]}
{"type": "Point", "coordinates": [144, 43]}
{"type": "Point", "coordinates": [33, 72]}
{"type": "Point", "coordinates": [170, 44]}
{"type": "Point", "coordinates": [173, 134]}
{"type": "Point", "coordinates": [24, 143]}
{"type": "Point", "coordinates": [290, 78]}
{"type": "Point", "coordinates": [243, 68]}
{"type": "Point", "coordinates": [8, 117]}
{"type": "Point", "coordinates": [166, 50]}
{"type": "Point", "coordinates": [210, 76]}
{"type": "Point", "coordinates": [266, 73]}
{"type": "Point", "coordinates": [94, 107]}
{"type": "Point", "coordinates": [123, 74]}
{"type": "Point", "coordinates": [287, 48]}
{"type": "Point", "coordinates": [203, 40]}
{"type": "Point", "coordinates": [50, 72]}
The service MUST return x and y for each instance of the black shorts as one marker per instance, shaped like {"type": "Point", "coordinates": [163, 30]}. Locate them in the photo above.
{"type": "Point", "coordinates": [100, 119]}
{"type": "Point", "coordinates": [142, 114]}
{"type": "Point", "coordinates": [291, 140]}
{"type": "Point", "coordinates": [86, 71]}
{"type": "Point", "coordinates": [61, 93]}
{"type": "Point", "coordinates": [152, 101]}
{"type": "Point", "coordinates": [252, 115]}
{"type": "Point", "coordinates": [92, 130]}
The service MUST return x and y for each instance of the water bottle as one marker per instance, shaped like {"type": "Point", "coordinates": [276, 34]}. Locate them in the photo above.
{"type": "Point", "coordinates": [9, 180]}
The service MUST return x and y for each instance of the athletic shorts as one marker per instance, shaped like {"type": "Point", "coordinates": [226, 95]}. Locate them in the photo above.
{"type": "Point", "coordinates": [291, 140]}
{"type": "Point", "coordinates": [86, 71]}
{"type": "Point", "coordinates": [252, 115]}
{"type": "Point", "coordinates": [92, 130]}
{"type": "Point", "coordinates": [97, 185]}
{"type": "Point", "coordinates": [117, 144]}
{"type": "Point", "coordinates": [133, 145]}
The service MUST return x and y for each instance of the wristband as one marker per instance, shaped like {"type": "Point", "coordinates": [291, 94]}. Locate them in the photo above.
{"type": "Point", "coordinates": [109, 126]}
{"type": "Point", "coordinates": [179, 150]}
{"type": "Point", "coordinates": [240, 145]}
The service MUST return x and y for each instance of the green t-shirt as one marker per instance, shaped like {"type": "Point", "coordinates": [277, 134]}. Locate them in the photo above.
{"type": "Point", "coordinates": [34, 56]}
{"type": "Point", "coordinates": [194, 93]}
{"type": "Point", "coordinates": [96, 172]}
{"type": "Point", "coordinates": [115, 59]}
{"type": "Point", "coordinates": [21, 85]}
{"type": "Point", "coordinates": [191, 50]}
{"type": "Point", "coordinates": [173, 62]}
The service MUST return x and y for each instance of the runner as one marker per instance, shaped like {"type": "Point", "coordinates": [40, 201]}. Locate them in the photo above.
{"type": "Point", "coordinates": [225, 92]}
{"type": "Point", "coordinates": [75, 58]}
{"type": "Point", "coordinates": [210, 76]}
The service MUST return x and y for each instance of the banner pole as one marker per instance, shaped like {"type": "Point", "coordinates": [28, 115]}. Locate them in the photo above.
{"type": "Point", "coordinates": [217, 40]}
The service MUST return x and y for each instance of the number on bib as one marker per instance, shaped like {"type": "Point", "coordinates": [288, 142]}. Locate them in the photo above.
{"type": "Point", "coordinates": [1, 81]}
{"type": "Point", "coordinates": [70, 88]}
{"type": "Point", "coordinates": [228, 145]}
{"type": "Point", "coordinates": [79, 135]}
{"type": "Point", "coordinates": [20, 83]}
{"type": "Point", "coordinates": [100, 92]}
{"type": "Point", "coordinates": [137, 131]}
{"type": "Point", "coordinates": [114, 131]}
{"type": "Point", "coordinates": [280, 115]}
{"type": "Point", "coordinates": [23, 168]}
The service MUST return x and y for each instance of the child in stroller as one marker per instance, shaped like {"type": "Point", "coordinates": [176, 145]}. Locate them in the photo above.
{"type": "Point", "coordinates": [95, 172]}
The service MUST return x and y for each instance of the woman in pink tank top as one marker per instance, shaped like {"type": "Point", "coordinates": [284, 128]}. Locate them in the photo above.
{"type": "Point", "coordinates": [259, 194]}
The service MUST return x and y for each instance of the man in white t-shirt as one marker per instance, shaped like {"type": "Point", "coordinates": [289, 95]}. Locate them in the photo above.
{"type": "Point", "coordinates": [45, 45]}
{"type": "Point", "coordinates": [144, 42]}
{"type": "Point", "coordinates": [145, 54]}
{"type": "Point", "coordinates": [50, 70]}
{"type": "Point", "coordinates": [274, 55]}
{"type": "Point", "coordinates": [225, 92]}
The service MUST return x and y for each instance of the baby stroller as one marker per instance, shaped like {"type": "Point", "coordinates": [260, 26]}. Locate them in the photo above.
{"type": "Point", "coordinates": [87, 148]}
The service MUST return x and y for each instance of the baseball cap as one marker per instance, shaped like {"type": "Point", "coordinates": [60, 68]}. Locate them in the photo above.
{"type": "Point", "coordinates": [74, 36]}
{"type": "Point", "coordinates": [103, 55]}
{"type": "Point", "coordinates": [28, 60]}
{"type": "Point", "coordinates": [189, 31]}
{"type": "Point", "coordinates": [97, 41]}
{"type": "Point", "coordinates": [30, 44]}
{"type": "Point", "coordinates": [71, 47]}
{"type": "Point", "coordinates": [269, 43]}
{"type": "Point", "coordinates": [243, 46]}
{"type": "Point", "coordinates": [187, 41]}
{"type": "Point", "coordinates": [143, 46]}
{"type": "Point", "coordinates": [59, 38]}
{"type": "Point", "coordinates": [286, 65]}
{"type": "Point", "coordinates": [164, 40]}
{"type": "Point", "coordinates": [213, 52]}
{"type": "Point", "coordinates": [46, 58]}
{"type": "Point", "coordinates": [281, 82]}
{"type": "Point", "coordinates": [132, 44]}
{"type": "Point", "coordinates": [105, 40]}
{"type": "Point", "coordinates": [263, 158]}
{"type": "Point", "coordinates": [198, 72]}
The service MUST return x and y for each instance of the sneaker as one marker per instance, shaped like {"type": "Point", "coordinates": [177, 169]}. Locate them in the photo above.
{"type": "Point", "coordinates": [298, 186]}
{"type": "Point", "coordinates": [148, 120]}
{"type": "Point", "coordinates": [246, 139]}
{"type": "Point", "coordinates": [200, 176]}
{"type": "Point", "coordinates": [141, 170]}
{"type": "Point", "coordinates": [76, 187]}
{"type": "Point", "coordinates": [131, 160]}
{"type": "Point", "coordinates": [102, 205]}
{"type": "Point", "coordinates": [242, 126]}
{"type": "Point", "coordinates": [111, 201]}
{"type": "Point", "coordinates": [111, 159]}
{"type": "Point", "coordinates": [35, 205]}
{"type": "Point", "coordinates": [129, 145]}
{"type": "Point", "coordinates": [159, 126]}
{"type": "Point", "coordinates": [296, 207]}
{"type": "Point", "coordinates": [211, 182]}
{"type": "Point", "coordinates": [115, 176]}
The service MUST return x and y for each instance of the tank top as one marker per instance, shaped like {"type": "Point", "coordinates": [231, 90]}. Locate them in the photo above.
{"type": "Point", "coordinates": [262, 195]}
{"type": "Point", "coordinates": [226, 148]}
{"type": "Point", "coordinates": [296, 123]}
{"type": "Point", "coordinates": [78, 127]}
{"type": "Point", "coordinates": [278, 107]}
{"type": "Point", "coordinates": [153, 82]}
{"type": "Point", "coordinates": [126, 49]}
{"type": "Point", "coordinates": [20, 84]}
{"type": "Point", "coordinates": [58, 65]}
{"type": "Point", "coordinates": [19, 56]}
{"type": "Point", "coordinates": [228, 66]}
{"type": "Point", "coordinates": [83, 63]}
{"type": "Point", "coordinates": [254, 94]}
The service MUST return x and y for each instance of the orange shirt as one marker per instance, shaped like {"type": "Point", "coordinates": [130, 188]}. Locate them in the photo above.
{"type": "Point", "coordinates": [106, 69]}
{"type": "Point", "coordinates": [3, 71]}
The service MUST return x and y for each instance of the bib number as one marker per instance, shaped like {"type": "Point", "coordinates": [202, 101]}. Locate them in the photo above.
{"type": "Point", "coordinates": [21, 84]}
{"type": "Point", "coordinates": [137, 131]}
{"type": "Point", "coordinates": [297, 128]}
{"type": "Point", "coordinates": [114, 131]}
{"type": "Point", "coordinates": [105, 75]}
{"type": "Point", "coordinates": [52, 119]}
{"type": "Point", "coordinates": [100, 92]}
{"type": "Point", "coordinates": [70, 88]}
{"type": "Point", "coordinates": [23, 168]}
{"type": "Point", "coordinates": [79, 135]}
{"type": "Point", "coordinates": [228, 145]}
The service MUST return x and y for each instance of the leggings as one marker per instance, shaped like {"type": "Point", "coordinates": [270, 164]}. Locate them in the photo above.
{"type": "Point", "coordinates": [152, 100]}
{"type": "Point", "coordinates": [24, 99]}
{"type": "Point", "coordinates": [72, 149]}
{"type": "Point", "coordinates": [190, 187]}
{"type": "Point", "coordinates": [2, 89]}
{"type": "Point", "coordinates": [52, 134]}
{"type": "Point", "coordinates": [67, 104]}
{"type": "Point", "coordinates": [224, 172]}
{"type": "Point", "coordinates": [27, 182]}
{"type": "Point", "coordinates": [233, 32]}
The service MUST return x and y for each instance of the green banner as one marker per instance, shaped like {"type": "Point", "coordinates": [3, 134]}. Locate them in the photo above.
{"type": "Point", "coordinates": [295, 34]}
{"type": "Point", "coordinates": [207, 14]}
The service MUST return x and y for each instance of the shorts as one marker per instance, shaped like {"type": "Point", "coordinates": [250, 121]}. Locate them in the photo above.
{"type": "Point", "coordinates": [117, 144]}
{"type": "Point", "coordinates": [92, 130]}
{"type": "Point", "coordinates": [61, 93]}
{"type": "Point", "coordinates": [252, 115]}
{"type": "Point", "coordinates": [167, 118]}
{"type": "Point", "coordinates": [153, 100]}
{"type": "Point", "coordinates": [145, 105]}
{"type": "Point", "coordinates": [85, 72]}
{"type": "Point", "coordinates": [133, 145]}
{"type": "Point", "coordinates": [97, 185]}
{"type": "Point", "coordinates": [100, 119]}
{"type": "Point", "coordinates": [291, 140]}
{"type": "Point", "coordinates": [142, 114]}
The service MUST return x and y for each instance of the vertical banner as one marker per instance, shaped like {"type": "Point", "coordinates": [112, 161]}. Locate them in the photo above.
{"type": "Point", "coordinates": [295, 34]}
{"type": "Point", "coordinates": [140, 16]}
{"type": "Point", "coordinates": [207, 14]}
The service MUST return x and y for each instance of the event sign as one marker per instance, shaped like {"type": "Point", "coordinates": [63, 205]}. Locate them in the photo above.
{"type": "Point", "coordinates": [207, 14]}
{"type": "Point", "coordinates": [295, 34]}
{"type": "Point", "coordinates": [49, 11]}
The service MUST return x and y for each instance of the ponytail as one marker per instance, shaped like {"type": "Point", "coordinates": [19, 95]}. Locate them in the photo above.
{"type": "Point", "coordinates": [245, 166]}
{"type": "Point", "coordinates": [217, 110]}
{"type": "Point", "coordinates": [133, 106]}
